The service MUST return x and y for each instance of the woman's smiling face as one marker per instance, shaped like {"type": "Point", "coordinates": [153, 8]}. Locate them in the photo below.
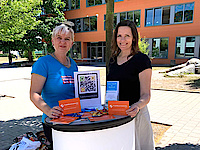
{"type": "Point", "coordinates": [62, 42]}
{"type": "Point", "coordinates": [124, 38]}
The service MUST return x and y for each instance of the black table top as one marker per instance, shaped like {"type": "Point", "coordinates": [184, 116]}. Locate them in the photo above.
{"type": "Point", "coordinates": [86, 125]}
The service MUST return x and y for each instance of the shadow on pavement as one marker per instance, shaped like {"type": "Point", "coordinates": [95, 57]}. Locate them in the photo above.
{"type": "Point", "coordinates": [195, 84]}
{"type": "Point", "coordinates": [11, 129]}
{"type": "Point", "coordinates": [177, 146]}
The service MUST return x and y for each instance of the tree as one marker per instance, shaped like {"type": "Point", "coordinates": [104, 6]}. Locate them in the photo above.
{"type": "Point", "coordinates": [54, 15]}
{"type": "Point", "coordinates": [16, 18]}
{"type": "Point", "coordinates": [143, 45]}
{"type": "Point", "coordinates": [53, 10]}
{"type": "Point", "coordinates": [109, 29]}
{"type": "Point", "coordinates": [43, 28]}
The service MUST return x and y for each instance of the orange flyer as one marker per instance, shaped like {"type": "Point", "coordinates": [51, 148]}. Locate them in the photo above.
{"type": "Point", "coordinates": [104, 117]}
{"type": "Point", "coordinates": [70, 106]}
{"type": "Point", "coordinates": [64, 120]}
{"type": "Point", "coordinates": [118, 107]}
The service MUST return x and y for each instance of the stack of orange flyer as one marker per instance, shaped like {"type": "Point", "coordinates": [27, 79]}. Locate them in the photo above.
{"type": "Point", "coordinates": [70, 106]}
{"type": "Point", "coordinates": [63, 120]}
{"type": "Point", "coordinates": [118, 107]}
{"type": "Point", "coordinates": [104, 117]}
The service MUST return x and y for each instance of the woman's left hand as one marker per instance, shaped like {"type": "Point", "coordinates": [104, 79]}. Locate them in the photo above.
{"type": "Point", "coordinates": [133, 110]}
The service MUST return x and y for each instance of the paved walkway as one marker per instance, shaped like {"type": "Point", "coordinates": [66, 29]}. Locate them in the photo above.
{"type": "Point", "coordinates": [179, 109]}
{"type": "Point", "coordinates": [18, 115]}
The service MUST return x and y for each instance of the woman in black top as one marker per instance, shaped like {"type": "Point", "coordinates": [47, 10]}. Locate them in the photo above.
{"type": "Point", "coordinates": [133, 71]}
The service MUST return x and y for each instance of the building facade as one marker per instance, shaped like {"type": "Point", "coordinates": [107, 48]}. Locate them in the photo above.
{"type": "Point", "coordinates": [171, 27]}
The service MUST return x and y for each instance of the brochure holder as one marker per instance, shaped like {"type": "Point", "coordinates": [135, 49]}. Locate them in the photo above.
{"type": "Point", "coordinates": [87, 88]}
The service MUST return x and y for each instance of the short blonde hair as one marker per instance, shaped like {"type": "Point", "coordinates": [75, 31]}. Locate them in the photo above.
{"type": "Point", "coordinates": [64, 28]}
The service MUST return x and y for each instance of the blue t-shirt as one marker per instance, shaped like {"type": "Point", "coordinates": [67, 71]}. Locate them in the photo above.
{"type": "Point", "coordinates": [59, 83]}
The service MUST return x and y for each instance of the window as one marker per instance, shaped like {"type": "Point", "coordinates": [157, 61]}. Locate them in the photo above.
{"type": "Point", "coordinates": [184, 13]}
{"type": "Point", "coordinates": [188, 13]}
{"type": "Point", "coordinates": [115, 20]}
{"type": "Point", "coordinates": [93, 23]}
{"type": "Point", "coordinates": [157, 16]}
{"type": "Point", "coordinates": [130, 15]}
{"type": "Point", "coordinates": [98, 2]}
{"type": "Point", "coordinates": [164, 15]}
{"type": "Point", "coordinates": [93, 2]}
{"type": "Point", "coordinates": [149, 17]}
{"type": "Point", "coordinates": [122, 16]}
{"type": "Point", "coordinates": [72, 4]}
{"type": "Point", "coordinates": [136, 18]}
{"type": "Point", "coordinates": [160, 47]}
{"type": "Point", "coordinates": [96, 51]}
{"type": "Point", "coordinates": [75, 51]}
{"type": "Point", "coordinates": [78, 25]}
{"type": "Point", "coordinates": [178, 13]}
{"type": "Point", "coordinates": [85, 24]}
{"type": "Point", "coordinates": [185, 47]}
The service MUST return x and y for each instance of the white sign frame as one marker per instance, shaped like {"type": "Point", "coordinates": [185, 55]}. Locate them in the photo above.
{"type": "Point", "coordinates": [88, 98]}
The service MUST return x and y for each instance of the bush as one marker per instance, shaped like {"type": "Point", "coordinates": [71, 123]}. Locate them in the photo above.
{"type": "Point", "coordinates": [143, 45]}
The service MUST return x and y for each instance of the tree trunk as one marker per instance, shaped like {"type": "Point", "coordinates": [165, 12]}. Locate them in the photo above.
{"type": "Point", "coordinates": [30, 57]}
{"type": "Point", "coordinates": [109, 30]}
{"type": "Point", "coordinates": [10, 58]}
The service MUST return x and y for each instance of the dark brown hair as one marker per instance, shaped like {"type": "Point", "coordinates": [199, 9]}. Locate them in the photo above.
{"type": "Point", "coordinates": [115, 49]}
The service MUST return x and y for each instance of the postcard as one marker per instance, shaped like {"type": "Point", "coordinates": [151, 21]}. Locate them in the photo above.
{"type": "Point", "coordinates": [118, 107]}
{"type": "Point", "coordinates": [70, 106]}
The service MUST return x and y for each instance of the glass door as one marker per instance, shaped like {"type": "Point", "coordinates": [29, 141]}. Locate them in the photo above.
{"type": "Point", "coordinates": [99, 54]}
{"type": "Point", "coordinates": [93, 54]}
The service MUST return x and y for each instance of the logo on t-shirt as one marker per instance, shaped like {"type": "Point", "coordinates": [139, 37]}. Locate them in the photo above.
{"type": "Point", "coordinates": [67, 79]}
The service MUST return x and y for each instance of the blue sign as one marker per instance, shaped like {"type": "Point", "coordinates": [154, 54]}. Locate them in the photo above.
{"type": "Point", "coordinates": [111, 86]}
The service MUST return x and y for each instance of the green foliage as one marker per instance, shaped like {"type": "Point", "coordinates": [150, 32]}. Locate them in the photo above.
{"type": "Point", "coordinates": [46, 27]}
{"type": "Point", "coordinates": [16, 17]}
{"type": "Point", "coordinates": [54, 7]}
{"type": "Point", "coordinates": [155, 52]}
{"type": "Point", "coordinates": [55, 15]}
{"type": "Point", "coordinates": [143, 45]}
{"type": "Point", "coordinates": [21, 25]}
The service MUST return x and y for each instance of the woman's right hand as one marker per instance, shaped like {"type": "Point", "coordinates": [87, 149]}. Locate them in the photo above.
{"type": "Point", "coordinates": [55, 112]}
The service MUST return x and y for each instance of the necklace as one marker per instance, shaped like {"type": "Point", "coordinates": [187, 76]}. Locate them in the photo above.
{"type": "Point", "coordinates": [68, 64]}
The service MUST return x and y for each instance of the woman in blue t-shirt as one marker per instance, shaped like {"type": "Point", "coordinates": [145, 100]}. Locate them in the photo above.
{"type": "Point", "coordinates": [133, 71]}
{"type": "Point", "coordinates": [52, 76]}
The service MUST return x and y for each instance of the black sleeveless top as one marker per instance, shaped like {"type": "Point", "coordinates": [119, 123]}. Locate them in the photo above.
{"type": "Point", "coordinates": [128, 76]}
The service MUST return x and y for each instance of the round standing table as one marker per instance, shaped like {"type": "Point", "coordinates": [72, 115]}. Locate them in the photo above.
{"type": "Point", "coordinates": [114, 134]}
